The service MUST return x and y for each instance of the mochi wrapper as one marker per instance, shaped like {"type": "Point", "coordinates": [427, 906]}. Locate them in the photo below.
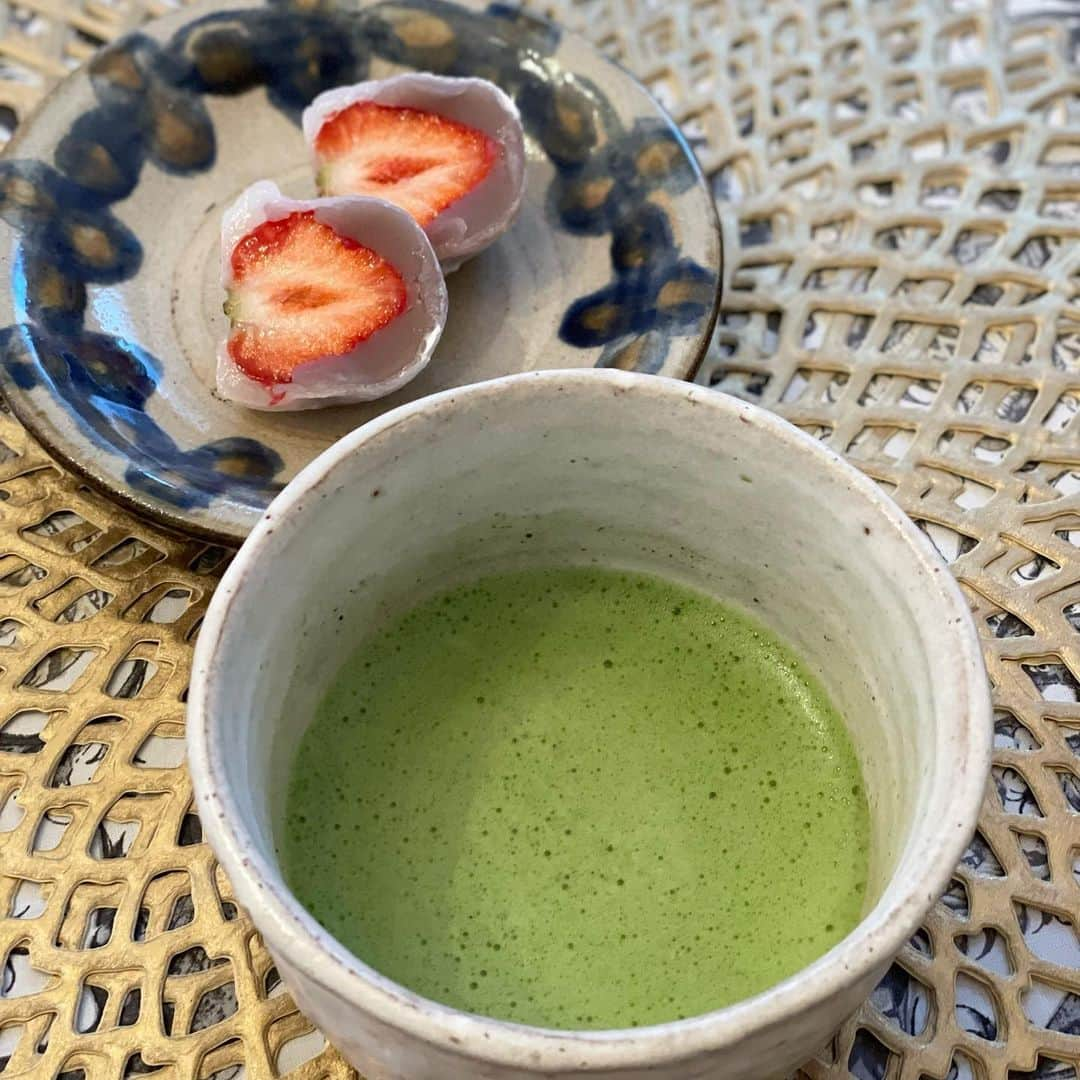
{"type": "Point", "coordinates": [391, 356]}
{"type": "Point", "coordinates": [477, 219]}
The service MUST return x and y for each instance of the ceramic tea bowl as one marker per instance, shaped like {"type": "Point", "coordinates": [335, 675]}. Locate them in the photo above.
{"type": "Point", "coordinates": [630, 471]}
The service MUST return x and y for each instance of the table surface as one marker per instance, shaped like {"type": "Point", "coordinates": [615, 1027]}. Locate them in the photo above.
{"type": "Point", "coordinates": [899, 186]}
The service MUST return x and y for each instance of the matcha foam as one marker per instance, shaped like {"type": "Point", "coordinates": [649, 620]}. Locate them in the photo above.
{"type": "Point", "coordinates": [578, 798]}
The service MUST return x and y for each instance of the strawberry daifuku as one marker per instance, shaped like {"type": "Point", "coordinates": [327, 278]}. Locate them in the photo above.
{"type": "Point", "coordinates": [448, 150]}
{"type": "Point", "coordinates": [330, 301]}
{"type": "Point", "coordinates": [302, 292]}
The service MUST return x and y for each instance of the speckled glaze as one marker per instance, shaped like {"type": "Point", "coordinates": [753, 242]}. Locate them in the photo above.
{"type": "Point", "coordinates": [110, 205]}
{"type": "Point", "coordinates": [623, 470]}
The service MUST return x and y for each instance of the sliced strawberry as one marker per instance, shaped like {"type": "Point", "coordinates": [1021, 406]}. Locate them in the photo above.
{"type": "Point", "coordinates": [419, 160]}
{"type": "Point", "coordinates": [301, 292]}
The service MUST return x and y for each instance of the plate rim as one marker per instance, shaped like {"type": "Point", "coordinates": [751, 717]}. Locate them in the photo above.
{"type": "Point", "coordinates": [163, 514]}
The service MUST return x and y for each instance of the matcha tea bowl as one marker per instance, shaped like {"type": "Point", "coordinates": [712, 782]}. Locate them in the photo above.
{"type": "Point", "coordinates": [585, 724]}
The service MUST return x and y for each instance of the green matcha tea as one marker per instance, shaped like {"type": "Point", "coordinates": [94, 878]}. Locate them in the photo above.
{"type": "Point", "coordinates": [578, 799]}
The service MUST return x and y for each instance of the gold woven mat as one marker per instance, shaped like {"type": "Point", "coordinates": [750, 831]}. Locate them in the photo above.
{"type": "Point", "coordinates": [900, 190]}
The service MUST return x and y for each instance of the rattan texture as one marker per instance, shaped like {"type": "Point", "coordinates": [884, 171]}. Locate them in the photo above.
{"type": "Point", "coordinates": [899, 185]}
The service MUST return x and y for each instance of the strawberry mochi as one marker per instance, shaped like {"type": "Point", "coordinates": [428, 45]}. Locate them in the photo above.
{"type": "Point", "coordinates": [448, 150]}
{"type": "Point", "coordinates": [330, 301]}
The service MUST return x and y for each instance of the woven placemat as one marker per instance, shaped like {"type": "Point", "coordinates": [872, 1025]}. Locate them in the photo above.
{"type": "Point", "coordinates": [900, 192]}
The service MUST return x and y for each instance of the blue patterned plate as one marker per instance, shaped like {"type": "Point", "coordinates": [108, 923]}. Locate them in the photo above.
{"type": "Point", "coordinates": [111, 197]}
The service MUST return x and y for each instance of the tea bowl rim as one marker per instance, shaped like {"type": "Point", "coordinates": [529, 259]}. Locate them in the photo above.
{"type": "Point", "coordinates": [293, 934]}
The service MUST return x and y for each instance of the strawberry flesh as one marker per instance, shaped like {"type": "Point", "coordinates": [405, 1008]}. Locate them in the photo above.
{"type": "Point", "coordinates": [302, 292]}
{"type": "Point", "coordinates": [419, 160]}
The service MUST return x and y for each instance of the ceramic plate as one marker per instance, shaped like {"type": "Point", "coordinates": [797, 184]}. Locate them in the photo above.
{"type": "Point", "coordinates": [111, 198]}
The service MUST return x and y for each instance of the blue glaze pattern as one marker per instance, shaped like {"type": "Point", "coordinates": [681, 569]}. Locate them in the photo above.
{"type": "Point", "coordinates": [605, 176]}
{"type": "Point", "coordinates": [150, 109]}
